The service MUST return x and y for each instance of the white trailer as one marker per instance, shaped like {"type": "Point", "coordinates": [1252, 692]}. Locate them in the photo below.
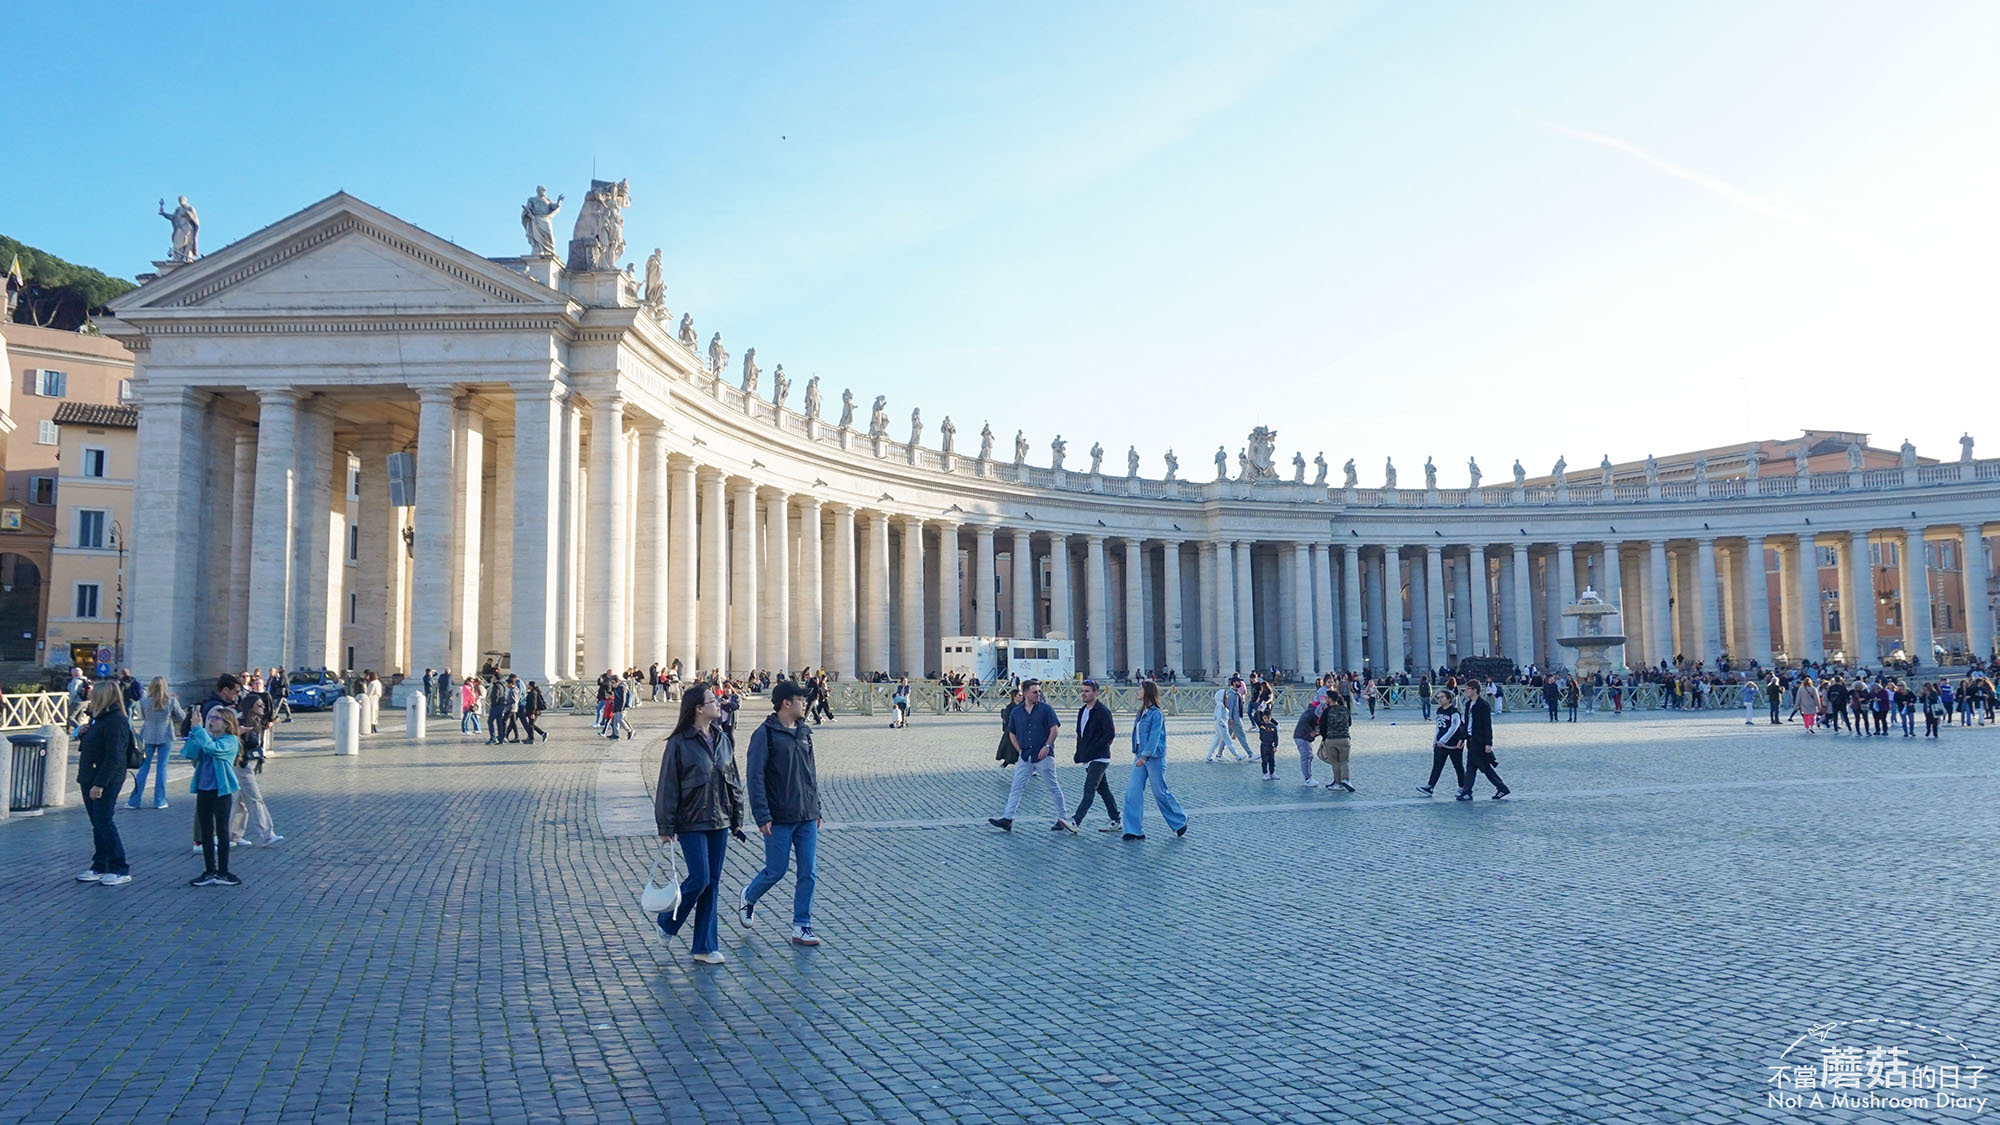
{"type": "Point", "coordinates": [994, 658]}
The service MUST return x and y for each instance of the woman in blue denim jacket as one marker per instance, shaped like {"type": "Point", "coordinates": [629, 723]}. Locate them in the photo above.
{"type": "Point", "coordinates": [1149, 767]}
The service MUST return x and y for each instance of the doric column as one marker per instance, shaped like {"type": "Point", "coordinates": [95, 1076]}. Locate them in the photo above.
{"type": "Point", "coordinates": [1707, 604]}
{"type": "Point", "coordinates": [1804, 620]}
{"type": "Point", "coordinates": [469, 467]}
{"type": "Point", "coordinates": [1917, 632]}
{"type": "Point", "coordinates": [985, 601]}
{"type": "Point", "coordinates": [1482, 627]}
{"type": "Point", "coordinates": [1377, 611]}
{"type": "Point", "coordinates": [872, 584]}
{"type": "Point", "coordinates": [1524, 608]}
{"type": "Point", "coordinates": [910, 606]}
{"type": "Point", "coordinates": [840, 618]}
{"type": "Point", "coordinates": [1175, 653]}
{"type": "Point", "coordinates": [314, 538]}
{"type": "Point", "coordinates": [1566, 575]}
{"type": "Point", "coordinates": [1246, 613]}
{"type": "Point", "coordinates": [775, 647]}
{"type": "Point", "coordinates": [1021, 621]}
{"type": "Point", "coordinates": [1135, 606]}
{"type": "Point", "coordinates": [430, 573]}
{"type": "Point", "coordinates": [652, 558]}
{"type": "Point", "coordinates": [604, 600]}
{"type": "Point", "coordinates": [683, 551]}
{"type": "Point", "coordinates": [1392, 608]}
{"type": "Point", "coordinates": [569, 523]}
{"type": "Point", "coordinates": [1350, 607]}
{"type": "Point", "coordinates": [1461, 592]}
{"type": "Point", "coordinates": [165, 618]}
{"type": "Point", "coordinates": [242, 497]}
{"type": "Point", "coordinates": [1759, 595]}
{"type": "Point", "coordinates": [1978, 609]}
{"type": "Point", "coordinates": [272, 527]}
{"type": "Point", "coordinates": [531, 628]}
{"type": "Point", "coordinates": [948, 593]}
{"type": "Point", "coordinates": [712, 653]}
{"type": "Point", "coordinates": [1208, 608]}
{"type": "Point", "coordinates": [1434, 602]}
{"type": "Point", "coordinates": [1659, 596]}
{"type": "Point", "coordinates": [1097, 614]}
{"type": "Point", "coordinates": [741, 582]}
{"type": "Point", "coordinates": [1857, 618]}
{"type": "Point", "coordinates": [1326, 642]}
{"type": "Point", "coordinates": [1062, 617]}
{"type": "Point", "coordinates": [1611, 568]}
{"type": "Point", "coordinates": [810, 650]}
{"type": "Point", "coordinates": [496, 618]}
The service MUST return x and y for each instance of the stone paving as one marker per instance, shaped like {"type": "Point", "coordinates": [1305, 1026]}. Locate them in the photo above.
{"type": "Point", "coordinates": [448, 933]}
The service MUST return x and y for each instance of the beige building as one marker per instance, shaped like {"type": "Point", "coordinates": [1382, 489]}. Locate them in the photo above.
{"type": "Point", "coordinates": [97, 447]}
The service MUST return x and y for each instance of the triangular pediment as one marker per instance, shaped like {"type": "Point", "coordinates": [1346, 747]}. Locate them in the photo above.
{"type": "Point", "coordinates": [339, 255]}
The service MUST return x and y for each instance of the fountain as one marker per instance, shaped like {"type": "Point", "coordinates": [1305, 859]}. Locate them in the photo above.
{"type": "Point", "coordinates": [1592, 644]}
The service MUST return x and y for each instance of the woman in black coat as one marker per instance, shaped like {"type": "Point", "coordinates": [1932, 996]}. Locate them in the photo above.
{"type": "Point", "coordinates": [103, 757]}
{"type": "Point", "coordinates": [699, 801]}
{"type": "Point", "coordinates": [1007, 755]}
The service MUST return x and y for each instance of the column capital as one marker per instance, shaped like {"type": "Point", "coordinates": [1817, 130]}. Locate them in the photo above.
{"type": "Point", "coordinates": [292, 395]}
{"type": "Point", "coordinates": [1975, 529]}
{"type": "Point", "coordinates": [438, 396]}
{"type": "Point", "coordinates": [810, 503]}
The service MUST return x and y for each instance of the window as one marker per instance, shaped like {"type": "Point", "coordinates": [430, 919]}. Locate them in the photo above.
{"type": "Point", "coordinates": [50, 384]}
{"type": "Point", "coordinates": [93, 462]}
{"type": "Point", "coordinates": [1947, 556]}
{"type": "Point", "coordinates": [353, 608]}
{"type": "Point", "coordinates": [125, 391]}
{"type": "Point", "coordinates": [1833, 621]}
{"type": "Point", "coordinates": [1829, 556]}
{"type": "Point", "coordinates": [354, 484]}
{"type": "Point", "coordinates": [1940, 616]}
{"type": "Point", "coordinates": [353, 542]}
{"type": "Point", "coordinates": [46, 433]}
{"type": "Point", "coordinates": [86, 600]}
{"type": "Point", "coordinates": [89, 528]}
{"type": "Point", "coordinates": [41, 490]}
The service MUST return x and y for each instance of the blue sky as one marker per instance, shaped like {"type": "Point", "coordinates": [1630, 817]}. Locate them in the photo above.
{"type": "Point", "coordinates": [1412, 229]}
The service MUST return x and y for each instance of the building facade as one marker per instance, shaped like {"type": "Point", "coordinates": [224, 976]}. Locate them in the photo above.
{"type": "Point", "coordinates": [98, 450]}
{"type": "Point", "coordinates": [591, 490]}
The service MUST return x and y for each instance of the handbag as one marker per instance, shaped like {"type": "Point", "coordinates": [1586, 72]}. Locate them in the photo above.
{"type": "Point", "coordinates": [658, 898]}
{"type": "Point", "coordinates": [135, 754]}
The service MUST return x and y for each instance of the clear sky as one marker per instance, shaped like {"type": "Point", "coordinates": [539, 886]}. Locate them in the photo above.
{"type": "Point", "coordinates": [1410, 229]}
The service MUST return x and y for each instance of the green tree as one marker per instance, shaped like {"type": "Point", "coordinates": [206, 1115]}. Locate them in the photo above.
{"type": "Point", "coordinates": [59, 294]}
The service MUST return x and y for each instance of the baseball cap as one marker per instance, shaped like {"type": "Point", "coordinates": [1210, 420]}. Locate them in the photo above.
{"type": "Point", "coordinates": [785, 690]}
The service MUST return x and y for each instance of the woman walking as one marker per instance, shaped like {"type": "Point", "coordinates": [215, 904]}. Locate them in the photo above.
{"type": "Point", "coordinates": [1263, 716]}
{"type": "Point", "coordinates": [468, 705]}
{"type": "Point", "coordinates": [1447, 743]}
{"type": "Point", "coordinates": [1149, 768]}
{"type": "Point", "coordinates": [213, 747]}
{"type": "Point", "coordinates": [247, 810]}
{"type": "Point", "coordinates": [1806, 702]}
{"type": "Point", "coordinates": [900, 703]}
{"type": "Point", "coordinates": [100, 772]}
{"type": "Point", "coordinates": [699, 801]}
{"type": "Point", "coordinates": [160, 712]}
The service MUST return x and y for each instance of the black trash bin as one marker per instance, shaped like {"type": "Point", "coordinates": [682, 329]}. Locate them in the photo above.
{"type": "Point", "coordinates": [30, 752]}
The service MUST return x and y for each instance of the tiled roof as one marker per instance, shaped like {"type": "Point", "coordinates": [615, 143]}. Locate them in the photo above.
{"type": "Point", "coordinates": [97, 414]}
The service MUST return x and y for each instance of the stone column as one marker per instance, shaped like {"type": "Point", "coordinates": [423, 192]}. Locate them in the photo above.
{"type": "Point", "coordinates": [1326, 636]}
{"type": "Point", "coordinates": [652, 558]}
{"type": "Point", "coordinates": [272, 529]}
{"type": "Point", "coordinates": [910, 607]}
{"type": "Point", "coordinates": [683, 551]}
{"type": "Point", "coordinates": [469, 467]}
{"type": "Point", "coordinates": [1135, 607]}
{"type": "Point", "coordinates": [1246, 613]}
{"type": "Point", "coordinates": [1171, 639]}
{"type": "Point", "coordinates": [496, 623]}
{"type": "Point", "coordinates": [164, 619]}
{"type": "Point", "coordinates": [1350, 607]}
{"type": "Point", "coordinates": [1377, 609]}
{"type": "Point", "coordinates": [1916, 576]}
{"type": "Point", "coordinates": [776, 644]}
{"type": "Point", "coordinates": [314, 538]}
{"type": "Point", "coordinates": [604, 596]}
{"type": "Point", "coordinates": [1097, 614]}
{"type": "Point", "coordinates": [840, 618]}
{"type": "Point", "coordinates": [1482, 626]}
{"type": "Point", "coordinates": [1305, 654]}
{"type": "Point", "coordinates": [1062, 617]}
{"type": "Point", "coordinates": [431, 577]}
{"type": "Point", "coordinates": [948, 592]}
{"type": "Point", "coordinates": [1565, 576]}
{"type": "Point", "coordinates": [872, 582]}
{"type": "Point", "coordinates": [742, 577]}
{"type": "Point", "coordinates": [1978, 609]}
{"type": "Point", "coordinates": [1857, 617]}
{"type": "Point", "coordinates": [569, 522]}
{"type": "Point", "coordinates": [1708, 607]}
{"type": "Point", "coordinates": [243, 494]}
{"type": "Point", "coordinates": [1461, 592]}
{"type": "Point", "coordinates": [985, 608]}
{"type": "Point", "coordinates": [538, 412]}
{"type": "Point", "coordinates": [1524, 608]}
{"type": "Point", "coordinates": [1807, 643]}
{"type": "Point", "coordinates": [1659, 595]}
{"type": "Point", "coordinates": [1210, 608]}
{"type": "Point", "coordinates": [1392, 608]}
{"type": "Point", "coordinates": [713, 650]}
{"type": "Point", "coordinates": [810, 650]}
{"type": "Point", "coordinates": [1022, 623]}
{"type": "Point", "coordinates": [1757, 581]}
{"type": "Point", "coordinates": [1611, 568]}
{"type": "Point", "coordinates": [1434, 602]}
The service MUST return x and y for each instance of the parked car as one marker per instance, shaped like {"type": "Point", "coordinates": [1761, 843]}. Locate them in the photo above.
{"type": "Point", "coordinates": [312, 690]}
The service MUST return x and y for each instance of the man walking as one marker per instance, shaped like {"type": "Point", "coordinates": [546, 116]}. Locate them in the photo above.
{"type": "Point", "coordinates": [784, 801]}
{"type": "Point", "coordinates": [1094, 734]}
{"type": "Point", "coordinates": [1479, 745]}
{"type": "Point", "coordinates": [1033, 731]}
{"type": "Point", "coordinates": [1229, 722]}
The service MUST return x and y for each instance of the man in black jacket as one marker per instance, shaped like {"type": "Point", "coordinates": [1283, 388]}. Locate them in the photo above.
{"type": "Point", "coordinates": [1094, 734]}
{"type": "Point", "coordinates": [1479, 744]}
{"type": "Point", "coordinates": [783, 786]}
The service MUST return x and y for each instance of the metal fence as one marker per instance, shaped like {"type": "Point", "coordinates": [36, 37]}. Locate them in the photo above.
{"type": "Point", "coordinates": [29, 712]}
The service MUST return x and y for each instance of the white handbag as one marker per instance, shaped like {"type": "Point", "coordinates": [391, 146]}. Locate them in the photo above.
{"type": "Point", "coordinates": [657, 897]}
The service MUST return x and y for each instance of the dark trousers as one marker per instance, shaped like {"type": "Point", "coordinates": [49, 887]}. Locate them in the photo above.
{"type": "Point", "coordinates": [108, 856]}
{"type": "Point", "coordinates": [1439, 756]}
{"type": "Point", "coordinates": [1095, 786]}
{"type": "Point", "coordinates": [1552, 711]}
{"type": "Point", "coordinates": [1930, 724]}
{"type": "Point", "coordinates": [1881, 722]}
{"type": "Point", "coordinates": [821, 709]}
{"type": "Point", "coordinates": [530, 727]}
{"type": "Point", "coordinates": [1478, 762]}
{"type": "Point", "coordinates": [496, 719]}
{"type": "Point", "coordinates": [211, 827]}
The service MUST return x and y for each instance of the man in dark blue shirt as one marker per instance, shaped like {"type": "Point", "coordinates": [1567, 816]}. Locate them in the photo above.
{"type": "Point", "coordinates": [1033, 733]}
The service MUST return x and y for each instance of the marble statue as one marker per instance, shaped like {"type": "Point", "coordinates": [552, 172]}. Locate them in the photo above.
{"type": "Point", "coordinates": [1430, 473]}
{"type": "Point", "coordinates": [1520, 474]}
{"type": "Point", "coordinates": [1221, 464]}
{"type": "Point", "coordinates": [1754, 463]}
{"type": "Point", "coordinates": [1388, 472]}
{"type": "Point", "coordinates": [878, 417]}
{"type": "Point", "coordinates": [1908, 455]}
{"type": "Point", "coordinates": [916, 427]}
{"type": "Point", "coordinates": [751, 372]}
{"type": "Point", "coordinates": [1057, 450]}
{"type": "Point", "coordinates": [948, 433]}
{"type": "Point", "coordinates": [538, 222]}
{"type": "Point", "coordinates": [846, 409]}
{"type": "Point", "coordinates": [688, 336]}
{"type": "Point", "coordinates": [1701, 466]}
{"type": "Point", "coordinates": [1319, 468]}
{"type": "Point", "coordinates": [986, 441]}
{"type": "Point", "coordinates": [186, 244]}
{"type": "Point", "coordinates": [1243, 469]}
{"type": "Point", "coordinates": [1965, 449]}
{"type": "Point", "coordinates": [1854, 457]}
{"type": "Point", "coordinates": [1173, 465]}
{"type": "Point", "coordinates": [1801, 460]}
{"type": "Point", "coordinates": [1561, 471]}
{"type": "Point", "coordinates": [717, 357]}
{"type": "Point", "coordinates": [781, 386]}
{"type": "Point", "coordinates": [1349, 475]}
{"type": "Point", "coordinates": [1472, 472]}
{"type": "Point", "coordinates": [655, 299]}
{"type": "Point", "coordinates": [1020, 448]}
{"type": "Point", "coordinates": [1132, 462]}
{"type": "Point", "coordinates": [1604, 471]}
{"type": "Point", "coordinates": [812, 397]}
{"type": "Point", "coordinates": [1096, 457]}
{"type": "Point", "coordinates": [1652, 469]}
{"type": "Point", "coordinates": [1298, 467]}
{"type": "Point", "coordinates": [1262, 448]}
{"type": "Point", "coordinates": [598, 240]}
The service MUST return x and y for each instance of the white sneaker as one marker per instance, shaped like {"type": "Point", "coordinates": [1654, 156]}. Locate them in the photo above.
{"type": "Point", "coordinates": [715, 958]}
{"type": "Point", "coordinates": [114, 880]}
{"type": "Point", "coordinates": [1309, 785]}
{"type": "Point", "coordinates": [745, 909]}
{"type": "Point", "coordinates": [90, 877]}
{"type": "Point", "coordinates": [272, 840]}
{"type": "Point", "coordinates": [803, 935]}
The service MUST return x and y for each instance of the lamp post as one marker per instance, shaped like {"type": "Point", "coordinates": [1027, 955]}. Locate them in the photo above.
{"type": "Point", "coordinates": [118, 604]}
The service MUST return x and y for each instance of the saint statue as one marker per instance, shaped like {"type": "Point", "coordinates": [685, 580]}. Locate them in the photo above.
{"type": "Point", "coordinates": [655, 299]}
{"type": "Point", "coordinates": [537, 220]}
{"type": "Point", "coordinates": [1057, 449]}
{"type": "Point", "coordinates": [1388, 472]}
{"type": "Point", "coordinates": [1221, 464]}
{"type": "Point", "coordinates": [1243, 464]}
{"type": "Point", "coordinates": [1801, 460]}
{"type": "Point", "coordinates": [1349, 475]}
{"type": "Point", "coordinates": [750, 371]}
{"type": "Point", "coordinates": [1298, 467]}
{"type": "Point", "coordinates": [846, 409]}
{"type": "Point", "coordinates": [986, 441]}
{"type": "Point", "coordinates": [878, 417]}
{"type": "Point", "coordinates": [1132, 462]}
{"type": "Point", "coordinates": [1561, 471]}
{"type": "Point", "coordinates": [1520, 474]}
{"type": "Point", "coordinates": [949, 433]}
{"type": "Point", "coordinates": [916, 427]}
{"type": "Point", "coordinates": [1965, 449]}
{"type": "Point", "coordinates": [1173, 464]}
{"type": "Point", "coordinates": [812, 397]}
{"type": "Point", "coordinates": [1701, 466]}
{"type": "Point", "coordinates": [1472, 471]}
{"type": "Point", "coordinates": [1854, 457]}
{"type": "Point", "coordinates": [1652, 469]}
{"type": "Point", "coordinates": [1020, 448]}
{"type": "Point", "coordinates": [187, 231]}
{"type": "Point", "coordinates": [1096, 457]}
{"type": "Point", "coordinates": [717, 357]}
{"type": "Point", "coordinates": [598, 240]}
{"type": "Point", "coordinates": [1604, 471]}
{"type": "Point", "coordinates": [1430, 473]}
{"type": "Point", "coordinates": [1754, 462]}
{"type": "Point", "coordinates": [687, 331]}
{"type": "Point", "coordinates": [781, 385]}
{"type": "Point", "coordinates": [1908, 454]}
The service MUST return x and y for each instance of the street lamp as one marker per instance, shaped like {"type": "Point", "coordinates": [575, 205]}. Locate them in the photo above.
{"type": "Point", "coordinates": [118, 605]}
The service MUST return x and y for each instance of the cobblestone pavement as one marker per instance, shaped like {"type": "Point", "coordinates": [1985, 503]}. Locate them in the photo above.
{"type": "Point", "coordinates": [447, 934]}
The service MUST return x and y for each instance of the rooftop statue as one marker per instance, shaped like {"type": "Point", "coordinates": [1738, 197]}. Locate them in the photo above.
{"type": "Point", "coordinates": [878, 417]}
{"type": "Point", "coordinates": [781, 385]}
{"type": "Point", "coordinates": [1430, 473]}
{"type": "Point", "coordinates": [949, 434]}
{"type": "Point", "coordinates": [751, 372]}
{"type": "Point", "coordinates": [846, 409]}
{"type": "Point", "coordinates": [598, 240]}
{"type": "Point", "coordinates": [1173, 465]}
{"type": "Point", "coordinates": [1908, 454]}
{"type": "Point", "coordinates": [1388, 472]}
{"type": "Point", "coordinates": [1020, 447]}
{"type": "Point", "coordinates": [1854, 457]}
{"type": "Point", "coordinates": [1319, 468]}
{"type": "Point", "coordinates": [1754, 462]}
{"type": "Point", "coordinates": [812, 397]}
{"type": "Point", "coordinates": [1965, 449]}
{"type": "Point", "coordinates": [1604, 471]}
{"type": "Point", "coordinates": [1096, 457]}
{"type": "Point", "coordinates": [1298, 467]}
{"type": "Point", "coordinates": [538, 222]}
{"type": "Point", "coordinates": [687, 331]}
{"type": "Point", "coordinates": [1802, 459]}
{"type": "Point", "coordinates": [1520, 474]}
{"type": "Point", "coordinates": [1472, 472]}
{"type": "Point", "coordinates": [1262, 448]}
{"type": "Point", "coordinates": [1349, 477]}
{"type": "Point", "coordinates": [1243, 464]}
{"type": "Point", "coordinates": [1560, 472]}
{"type": "Point", "coordinates": [717, 357]}
{"type": "Point", "coordinates": [1652, 469]}
{"type": "Point", "coordinates": [1132, 461]}
{"type": "Point", "coordinates": [1701, 466]}
{"type": "Point", "coordinates": [186, 244]}
{"type": "Point", "coordinates": [1221, 463]}
{"type": "Point", "coordinates": [1058, 449]}
{"type": "Point", "coordinates": [916, 427]}
{"type": "Point", "coordinates": [986, 441]}
{"type": "Point", "coordinates": [655, 299]}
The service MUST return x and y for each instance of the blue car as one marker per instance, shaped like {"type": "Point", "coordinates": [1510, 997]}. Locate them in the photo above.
{"type": "Point", "coordinates": [310, 690]}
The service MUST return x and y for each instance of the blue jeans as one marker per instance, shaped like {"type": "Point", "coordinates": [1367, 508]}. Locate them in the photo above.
{"type": "Point", "coordinates": [108, 852]}
{"type": "Point", "coordinates": [468, 721]}
{"type": "Point", "coordinates": [703, 852]}
{"type": "Point", "coordinates": [1153, 772]}
{"type": "Point", "coordinates": [784, 839]}
{"type": "Point", "coordinates": [156, 759]}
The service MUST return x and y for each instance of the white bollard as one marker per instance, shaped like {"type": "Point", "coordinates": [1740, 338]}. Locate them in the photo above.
{"type": "Point", "coordinates": [347, 725]}
{"type": "Point", "coordinates": [56, 781]}
{"type": "Point", "coordinates": [414, 708]}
